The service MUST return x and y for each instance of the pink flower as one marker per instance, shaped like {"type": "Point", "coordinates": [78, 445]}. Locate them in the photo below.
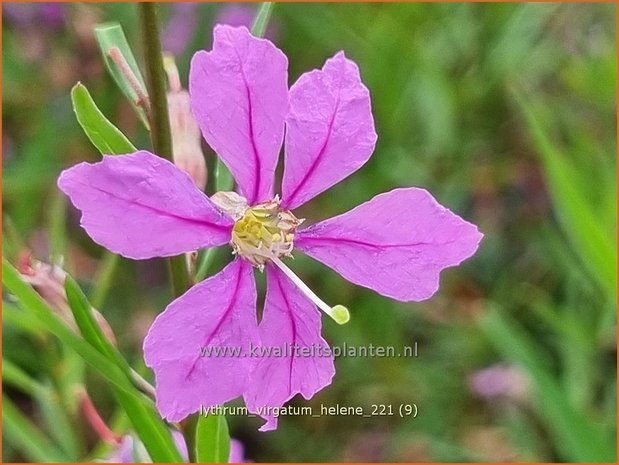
{"type": "Point", "coordinates": [142, 206]}
{"type": "Point", "coordinates": [498, 381]}
{"type": "Point", "coordinates": [237, 452]}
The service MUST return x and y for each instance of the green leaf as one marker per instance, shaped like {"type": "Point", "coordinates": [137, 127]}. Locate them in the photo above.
{"type": "Point", "coordinates": [102, 133]}
{"type": "Point", "coordinates": [146, 421]}
{"type": "Point", "coordinates": [262, 19]}
{"type": "Point", "coordinates": [595, 247]}
{"type": "Point", "coordinates": [148, 425]}
{"type": "Point", "coordinates": [110, 35]}
{"type": "Point", "coordinates": [56, 416]}
{"type": "Point", "coordinates": [57, 227]}
{"type": "Point", "coordinates": [223, 178]}
{"type": "Point", "coordinates": [21, 320]}
{"type": "Point", "coordinates": [89, 327]}
{"type": "Point", "coordinates": [19, 379]}
{"type": "Point", "coordinates": [104, 278]}
{"type": "Point", "coordinates": [577, 437]}
{"type": "Point", "coordinates": [23, 435]}
{"type": "Point", "coordinates": [152, 431]}
{"type": "Point", "coordinates": [58, 422]}
{"type": "Point", "coordinates": [205, 260]}
{"type": "Point", "coordinates": [212, 439]}
{"type": "Point", "coordinates": [29, 300]}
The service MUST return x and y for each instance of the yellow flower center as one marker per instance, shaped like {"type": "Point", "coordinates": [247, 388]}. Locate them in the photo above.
{"type": "Point", "coordinates": [263, 232]}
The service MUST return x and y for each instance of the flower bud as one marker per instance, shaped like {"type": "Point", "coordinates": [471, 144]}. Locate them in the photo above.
{"type": "Point", "coordinates": [186, 137]}
{"type": "Point", "coordinates": [48, 281]}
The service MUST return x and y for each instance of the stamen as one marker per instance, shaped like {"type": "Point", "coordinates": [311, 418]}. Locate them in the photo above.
{"type": "Point", "coordinates": [339, 313]}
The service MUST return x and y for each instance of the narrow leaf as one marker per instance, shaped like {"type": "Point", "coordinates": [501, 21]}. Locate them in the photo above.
{"type": "Point", "coordinates": [89, 327]}
{"type": "Point", "coordinates": [597, 250]}
{"type": "Point", "coordinates": [19, 379]}
{"type": "Point", "coordinates": [21, 320]}
{"type": "Point", "coordinates": [104, 278]}
{"type": "Point", "coordinates": [57, 227]}
{"type": "Point", "coordinates": [262, 19]}
{"type": "Point", "coordinates": [110, 36]}
{"type": "Point", "coordinates": [24, 436]}
{"type": "Point", "coordinates": [148, 425]}
{"type": "Point", "coordinates": [212, 439]}
{"type": "Point", "coordinates": [577, 436]}
{"type": "Point", "coordinates": [102, 133]}
{"type": "Point", "coordinates": [30, 301]}
{"type": "Point", "coordinates": [223, 178]}
{"type": "Point", "coordinates": [58, 423]}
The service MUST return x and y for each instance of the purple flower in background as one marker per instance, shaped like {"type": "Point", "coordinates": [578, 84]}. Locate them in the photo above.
{"type": "Point", "coordinates": [499, 381]}
{"type": "Point", "coordinates": [241, 14]}
{"type": "Point", "coordinates": [142, 206]}
{"type": "Point", "coordinates": [180, 28]}
{"type": "Point", "coordinates": [236, 14]}
{"type": "Point", "coordinates": [131, 450]}
{"type": "Point", "coordinates": [237, 452]}
{"type": "Point", "coordinates": [184, 19]}
{"type": "Point", "coordinates": [35, 14]}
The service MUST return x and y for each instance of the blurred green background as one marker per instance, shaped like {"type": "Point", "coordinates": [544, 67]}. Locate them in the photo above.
{"type": "Point", "coordinates": [505, 112]}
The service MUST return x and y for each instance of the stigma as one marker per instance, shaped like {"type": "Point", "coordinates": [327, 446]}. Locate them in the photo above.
{"type": "Point", "coordinates": [338, 313]}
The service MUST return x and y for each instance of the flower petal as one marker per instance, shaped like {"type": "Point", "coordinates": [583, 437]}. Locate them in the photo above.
{"type": "Point", "coordinates": [142, 206]}
{"type": "Point", "coordinates": [239, 96]}
{"type": "Point", "coordinates": [329, 130]}
{"type": "Point", "coordinates": [396, 244]}
{"type": "Point", "coordinates": [237, 452]}
{"type": "Point", "coordinates": [289, 321]}
{"type": "Point", "coordinates": [216, 315]}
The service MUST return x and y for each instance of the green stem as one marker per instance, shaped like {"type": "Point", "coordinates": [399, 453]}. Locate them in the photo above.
{"type": "Point", "coordinates": [155, 77]}
{"type": "Point", "coordinates": [159, 118]}
{"type": "Point", "coordinates": [205, 260]}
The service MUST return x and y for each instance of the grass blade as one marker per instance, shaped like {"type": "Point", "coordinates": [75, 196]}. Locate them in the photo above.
{"type": "Point", "coordinates": [58, 423]}
{"type": "Point", "coordinates": [26, 437]}
{"type": "Point", "coordinates": [14, 376]}
{"type": "Point", "coordinates": [578, 438]}
{"type": "Point", "coordinates": [596, 249]}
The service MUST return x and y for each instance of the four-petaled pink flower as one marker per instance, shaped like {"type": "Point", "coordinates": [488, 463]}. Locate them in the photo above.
{"type": "Point", "coordinates": [141, 206]}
